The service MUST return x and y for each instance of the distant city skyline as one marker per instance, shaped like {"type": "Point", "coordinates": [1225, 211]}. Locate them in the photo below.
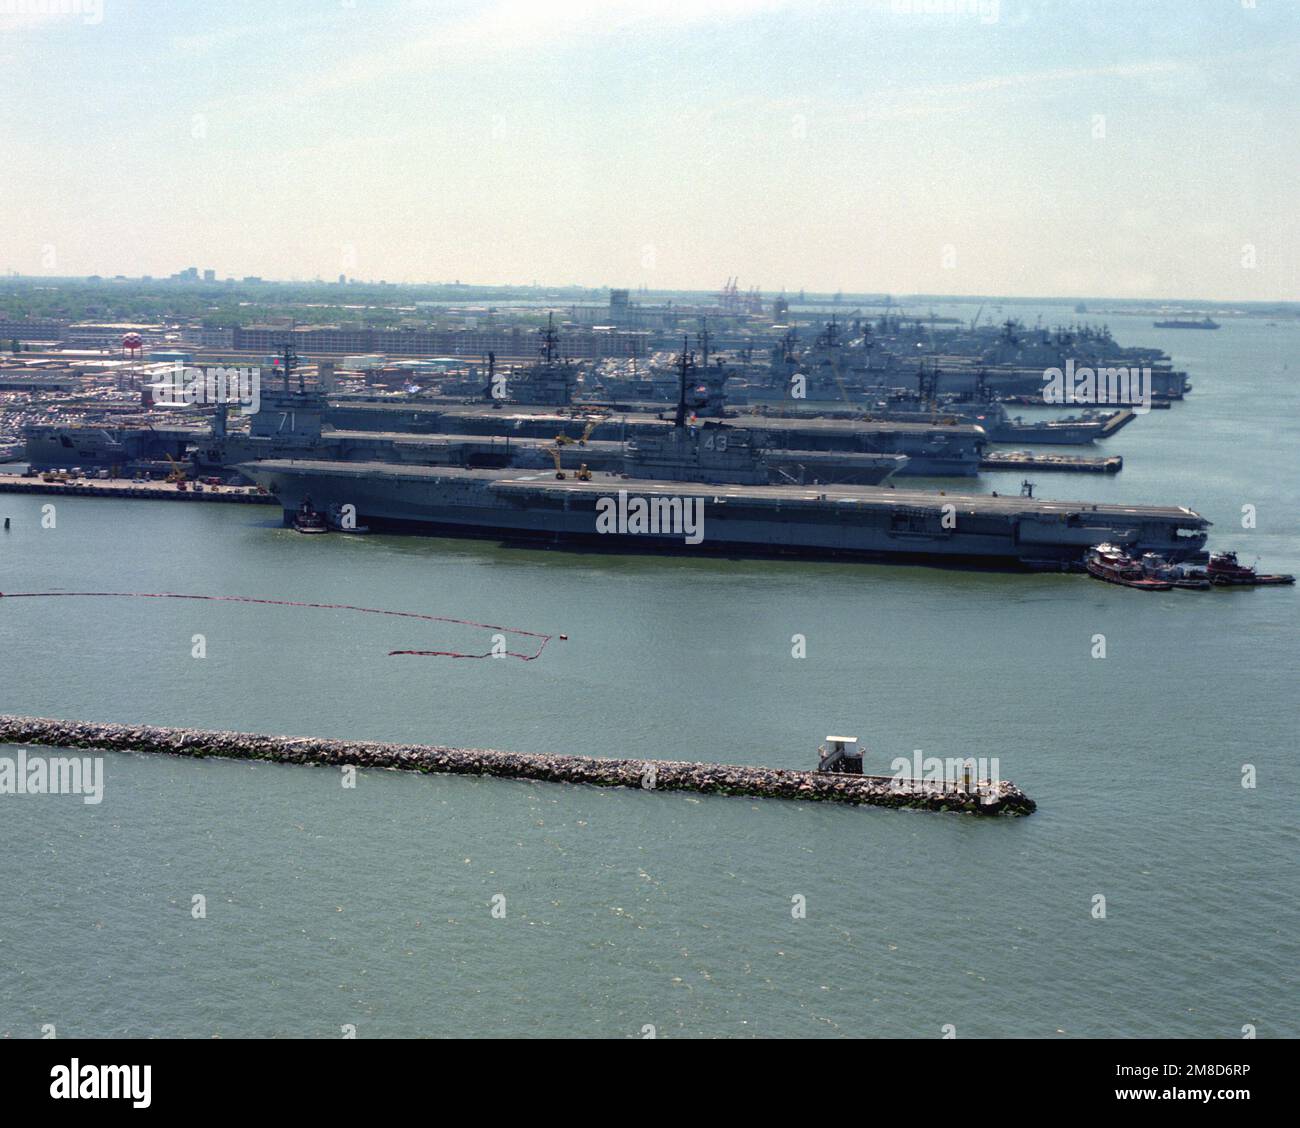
{"type": "Point", "coordinates": [1017, 148]}
{"type": "Point", "coordinates": [599, 292]}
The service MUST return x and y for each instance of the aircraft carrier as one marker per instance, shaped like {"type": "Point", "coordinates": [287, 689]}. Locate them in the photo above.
{"type": "Point", "coordinates": [479, 452]}
{"type": "Point", "coordinates": [831, 521]}
{"type": "Point", "coordinates": [951, 450]}
{"type": "Point", "coordinates": [47, 446]}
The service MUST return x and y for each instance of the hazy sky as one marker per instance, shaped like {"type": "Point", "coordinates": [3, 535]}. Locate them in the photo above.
{"type": "Point", "coordinates": [1129, 148]}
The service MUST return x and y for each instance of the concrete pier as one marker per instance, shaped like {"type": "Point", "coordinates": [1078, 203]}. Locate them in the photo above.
{"type": "Point", "coordinates": [125, 488]}
{"type": "Point", "coordinates": [999, 797]}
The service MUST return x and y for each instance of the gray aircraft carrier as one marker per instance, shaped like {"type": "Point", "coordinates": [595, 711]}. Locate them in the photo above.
{"type": "Point", "coordinates": [832, 521]}
{"type": "Point", "coordinates": [51, 445]}
{"type": "Point", "coordinates": [478, 452]}
{"type": "Point", "coordinates": [933, 450]}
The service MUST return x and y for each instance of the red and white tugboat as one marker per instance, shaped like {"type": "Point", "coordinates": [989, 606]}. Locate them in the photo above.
{"type": "Point", "coordinates": [1111, 563]}
{"type": "Point", "coordinates": [308, 520]}
{"type": "Point", "coordinates": [1225, 570]}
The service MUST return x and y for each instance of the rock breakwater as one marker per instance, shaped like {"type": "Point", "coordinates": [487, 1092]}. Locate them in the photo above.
{"type": "Point", "coordinates": [1000, 797]}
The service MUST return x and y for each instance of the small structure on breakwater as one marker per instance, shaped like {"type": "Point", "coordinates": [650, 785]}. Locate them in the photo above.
{"type": "Point", "coordinates": [985, 797]}
{"type": "Point", "coordinates": [840, 754]}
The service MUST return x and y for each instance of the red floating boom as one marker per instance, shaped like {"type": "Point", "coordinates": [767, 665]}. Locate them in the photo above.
{"type": "Point", "coordinates": [321, 606]}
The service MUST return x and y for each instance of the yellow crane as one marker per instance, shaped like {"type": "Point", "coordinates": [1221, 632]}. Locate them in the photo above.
{"type": "Point", "coordinates": [554, 452]}
{"type": "Point", "coordinates": [177, 473]}
{"type": "Point", "coordinates": [582, 474]}
{"type": "Point", "coordinates": [567, 440]}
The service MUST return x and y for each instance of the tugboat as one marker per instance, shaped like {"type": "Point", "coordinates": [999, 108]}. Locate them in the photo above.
{"type": "Point", "coordinates": [1157, 567]}
{"type": "Point", "coordinates": [1110, 563]}
{"type": "Point", "coordinates": [342, 519]}
{"type": "Point", "coordinates": [1227, 572]}
{"type": "Point", "coordinates": [308, 520]}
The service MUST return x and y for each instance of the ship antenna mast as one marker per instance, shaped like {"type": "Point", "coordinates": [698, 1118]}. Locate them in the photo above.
{"type": "Point", "coordinates": [290, 361]}
{"type": "Point", "coordinates": [683, 367]}
{"type": "Point", "coordinates": [548, 338]}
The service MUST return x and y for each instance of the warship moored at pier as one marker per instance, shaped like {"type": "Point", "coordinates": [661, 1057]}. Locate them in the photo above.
{"type": "Point", "coordinates": [939, 450]}
{"type": "Point", "coordinates": [830, 521]}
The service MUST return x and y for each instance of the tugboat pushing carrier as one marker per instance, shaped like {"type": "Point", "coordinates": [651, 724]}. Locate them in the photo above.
{"type": "Point", "coordinates": [1153, 572]}
{"type": "Point", "coordinates": [1225, 570]}
{"type": "Point", "coordinates": [1110, 563]}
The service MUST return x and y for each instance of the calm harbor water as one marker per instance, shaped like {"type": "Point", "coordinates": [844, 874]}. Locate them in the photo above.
{"type": "Point", "coordinates": [371, 906]}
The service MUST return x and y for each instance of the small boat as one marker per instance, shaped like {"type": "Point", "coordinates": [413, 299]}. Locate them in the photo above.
{"type": "Point", "coordinates": [1225, 570]}
{"type": "Point", "coordinates": [308, 520]}
{"type": "Point", "coordinates": [341, 521]}
{"type": "Point", "coordinates": [1157, 567]}
{"type": "Point", "coordinates": [1110, 563]}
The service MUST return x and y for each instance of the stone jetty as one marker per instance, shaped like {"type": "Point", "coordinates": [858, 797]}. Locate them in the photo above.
{"type": "Point", "coordinates": [985, 798]}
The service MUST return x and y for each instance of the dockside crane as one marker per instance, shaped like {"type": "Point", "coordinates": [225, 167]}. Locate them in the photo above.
{"type": "Point", "coordinates": [176, 476]}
